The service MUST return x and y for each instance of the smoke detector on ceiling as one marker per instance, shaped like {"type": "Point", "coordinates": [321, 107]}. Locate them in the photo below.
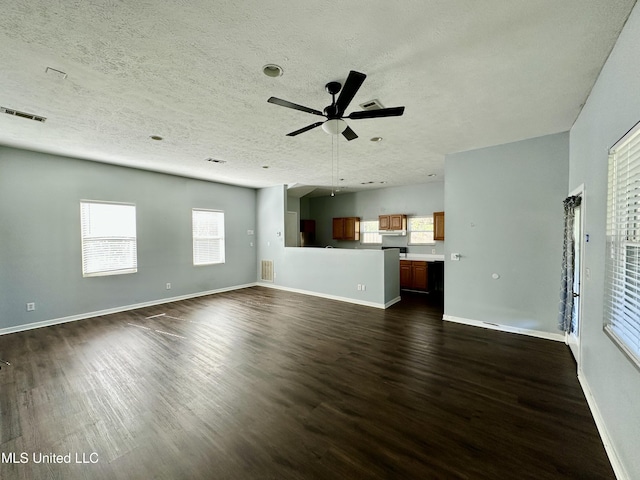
{"type": "Point", "coordinates": [17, 113]}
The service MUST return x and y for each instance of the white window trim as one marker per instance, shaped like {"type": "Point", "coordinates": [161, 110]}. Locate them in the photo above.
{"type": "Point", "coordinates": [621, 305]}
{"type": "Point", "coordinates": [103, 273]}
{"type": "Point", "coordinates": [220, 237]}
{"type": "Point", "coordinates": [409, 231]}
{"type": "Point", "coordinates": [363, 233]}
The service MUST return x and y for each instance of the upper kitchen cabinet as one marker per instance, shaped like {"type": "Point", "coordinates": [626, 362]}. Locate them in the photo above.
{"type": "Point", "coordinates": [346, 228]}
{"type": "Point", "coordinates": [392, 222]}
{"type": "Point", "coordinates": [438, 225]}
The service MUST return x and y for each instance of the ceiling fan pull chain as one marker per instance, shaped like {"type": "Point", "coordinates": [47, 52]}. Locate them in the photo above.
{"type": "Point", "coordinates": [332, 169]}
{"type": "Point", "coordinates": [337, 163]}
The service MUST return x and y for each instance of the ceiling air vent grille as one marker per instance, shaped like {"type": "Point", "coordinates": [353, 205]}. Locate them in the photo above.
{"type": "Point", "coordinates": [372, 105]}
{"type": "Point", "coordinates": [17, 113]}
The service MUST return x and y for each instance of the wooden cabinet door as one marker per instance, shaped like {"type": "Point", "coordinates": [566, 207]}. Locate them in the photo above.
{"type": "Point", "coordinates": [438, 225]}
{"type": "Point", "coordinates": [405, 274]}
{"type": "Point", "coordinates": [397, 222]}
{"type": "Point", "coordinates": [384, 222]}
{"type": "Point", "coordinates": [349, 228]}
{"type": "Point", "coordinates": [419, 274]}
{"type": "Point", "coordinates": [308, 226]}
{"type": "Point", "coordinates": [338, 228]}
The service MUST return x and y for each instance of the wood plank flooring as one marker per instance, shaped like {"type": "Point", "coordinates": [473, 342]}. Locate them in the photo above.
{"type": "Point", "coordinates": [264, 384]}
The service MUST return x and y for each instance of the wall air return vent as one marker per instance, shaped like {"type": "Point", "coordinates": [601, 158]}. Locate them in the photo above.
{"type": "Point", "coordinates": [17, 113]}
{"type": "Point", "coordinates": [266, 270]}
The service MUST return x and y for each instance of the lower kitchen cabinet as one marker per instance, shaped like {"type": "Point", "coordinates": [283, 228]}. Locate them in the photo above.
{"type": "Point", "coordinates": [413, 275]}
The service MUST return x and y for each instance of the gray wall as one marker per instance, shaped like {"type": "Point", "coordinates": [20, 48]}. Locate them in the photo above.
{"type": "Point", "coordinates": [40, 254]}
{"type": "Point", "coordinates": [271, 209]}
{"type": "Point", "coordinates": [505, 216]}
{"type": "Point", "coordinates": [423, 199]}
{"type": "Point", "coordinates": [612, 108]}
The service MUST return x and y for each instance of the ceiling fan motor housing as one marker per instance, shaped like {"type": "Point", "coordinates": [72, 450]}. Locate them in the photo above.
{"type": "Point", "coordinates": [333, 87]}
{"type": "Point", "coordinates": [331, 111]}
{"type": "Point", "coordinates": [334, 113]}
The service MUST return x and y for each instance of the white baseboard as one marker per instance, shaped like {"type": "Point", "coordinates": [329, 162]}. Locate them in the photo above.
{"type": "Point", "coordinates": [618, 469]}
{"type": "Point", "coordinates": [83, 316]}
{"type": "Point", "coordinates": [558, 337]}
{"type": "Point", "coordinates": [331, 297]}
{"type": "Point", "coordinates": [392, 302]}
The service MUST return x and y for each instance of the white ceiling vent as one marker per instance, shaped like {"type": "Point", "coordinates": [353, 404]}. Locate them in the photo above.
{"type": "Point", "coordinates": [372, 105]}
{"type": "Point", "coordinates": [17, 113]}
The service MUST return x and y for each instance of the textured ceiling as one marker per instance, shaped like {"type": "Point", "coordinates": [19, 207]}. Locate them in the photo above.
{"type": "Point", "coordinates": [471, 73]}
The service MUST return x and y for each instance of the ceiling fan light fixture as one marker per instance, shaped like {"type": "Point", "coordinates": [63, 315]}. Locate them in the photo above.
{"type": "Point", "coordinates": [335, 126]}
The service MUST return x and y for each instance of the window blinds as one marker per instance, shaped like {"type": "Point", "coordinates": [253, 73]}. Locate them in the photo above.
{"type": "Point", "coordinates": [208, 236]}
{"type": "Point", "coordinates": [622, 282]}
{"type": "Point", "coordinates": [370, 232]}
{"type": "Point", "coordinates": [421, 231]}
{"type": "Point", "coordinates": [108, 238]}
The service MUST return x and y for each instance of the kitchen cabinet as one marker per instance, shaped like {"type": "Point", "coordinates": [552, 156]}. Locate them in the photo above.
{"type": "Point", "coordinates": [346, 228]}
{"type": "Point", "coordinates": [438, 225]}
{"type": "Point", "coordinates": [413, 275]}
{"type": "Point", "coordinates": [392, 222]}
{"type": "Point", "coordinates": [308, 226]}
{"type": "Point", "coordinates": [307, 232]}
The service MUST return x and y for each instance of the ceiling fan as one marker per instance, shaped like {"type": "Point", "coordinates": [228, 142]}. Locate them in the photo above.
{"type": "Point", "coordinates": [334, 123]}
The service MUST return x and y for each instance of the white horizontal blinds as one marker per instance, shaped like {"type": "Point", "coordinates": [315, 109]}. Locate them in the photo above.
{"type": "Point", "coordinates": [622, 289]}
{"type": "Point", "coordinates": [108, 238]}
{"type": "Point", "coordinates": [208, 236]}
{"type": "Point", "coordinates": [421, 230]}
{"type": "Point", "coordinates": [369, 232]}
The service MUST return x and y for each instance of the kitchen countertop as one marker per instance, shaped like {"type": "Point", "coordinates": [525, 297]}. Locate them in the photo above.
{"type": "Point", "coordinates": [429, 257]}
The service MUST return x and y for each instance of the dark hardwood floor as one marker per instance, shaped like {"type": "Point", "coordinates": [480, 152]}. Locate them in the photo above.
{"type": "Point", "coordinates": [265, 384]}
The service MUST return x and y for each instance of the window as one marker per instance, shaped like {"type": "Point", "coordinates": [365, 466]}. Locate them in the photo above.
{"type": "Point", "coordinates": [208, 236]}
{"type": "Point", "coordinates": [108, 238]}
{"type": "Point", "coordinates": [369, 232]}
{"type": "Point", "coordinates": [622, 277]}
{"type": "Point", "coordinates": [421, 231]}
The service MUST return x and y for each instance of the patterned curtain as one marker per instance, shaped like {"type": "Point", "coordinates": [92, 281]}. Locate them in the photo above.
{"type": "Point", "coordinates": [568, 262]}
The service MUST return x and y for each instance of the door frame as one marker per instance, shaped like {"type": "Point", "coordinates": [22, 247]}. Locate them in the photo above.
{"type": "Point", "coordinates": [573, 341]}
{"type": "Point", "coordinates": [291, 230]}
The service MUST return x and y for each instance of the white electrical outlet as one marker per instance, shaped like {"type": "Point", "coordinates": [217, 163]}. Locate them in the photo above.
{"type": "Point", "coordinates": [168, 286]}
{"type": "Point", "coordinates": [455, 257]}
{"type": "Point", "coordinates": [31, 307]}
{"type": "Point", "coordinates": [364, 287]}
{"type": "Point", "coordinates": [359, 287]}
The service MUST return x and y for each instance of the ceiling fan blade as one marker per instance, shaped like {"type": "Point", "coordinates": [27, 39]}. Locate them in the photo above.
{"type": "Point", "coordinates": [383, 112]}
{"type": "Point", "coordinates": [349, 90]}
{"type": "Point", "coordinates": [295, 106]}
{"type": "Point", "coordinates": [305, 129]}
{"type": "Point", "coordinates": [349, 134]}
